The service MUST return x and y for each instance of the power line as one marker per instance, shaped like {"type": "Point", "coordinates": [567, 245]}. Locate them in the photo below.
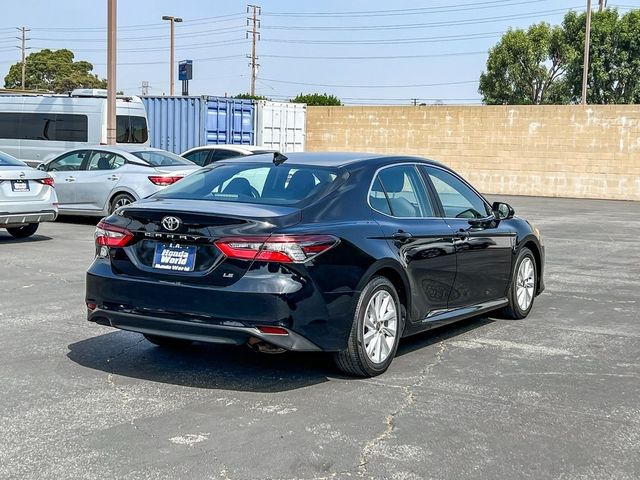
{"type": "Point", "coordinates": [419, 25]}
{"type": "Point", "coordinates": [405, 11]}
{"type": "Point", "coordinates": [385, 57]}
{"type": "Point", "coordinates": [392, 41]}
{"type": "Point", "coordinates": [370, 86]}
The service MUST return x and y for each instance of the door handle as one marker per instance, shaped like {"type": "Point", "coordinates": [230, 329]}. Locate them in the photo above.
{"type": "Point", "coordinates": [401, 236]}
{"type": "Point", "coordinates": [113, 177]}
{"type": "Point", "coordinates": [70, 179]}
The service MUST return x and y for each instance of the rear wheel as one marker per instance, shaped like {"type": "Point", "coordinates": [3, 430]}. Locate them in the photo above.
{"type": "Point", "coordinates": [24, 231]}
{"type": "Point", "coordinates": [120, 200]}
{"type": "Point", "coordinates": [522, 290]}
{"type": "Point", "coordinates": [375, 332]}
{"type": "Point", "coordinates": [167, 342]}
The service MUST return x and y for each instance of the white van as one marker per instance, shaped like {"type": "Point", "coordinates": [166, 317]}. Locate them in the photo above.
{"type": "Point", "coordinates": [35, 127]}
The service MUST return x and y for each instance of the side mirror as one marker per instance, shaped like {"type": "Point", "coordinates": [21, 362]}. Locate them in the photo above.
{"type": "Point", "coordinates": [503, 211]}
{"type": "Point", "coordinates": [41, 167]}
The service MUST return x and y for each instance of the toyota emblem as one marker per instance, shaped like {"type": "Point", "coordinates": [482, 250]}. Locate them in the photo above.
{"type": "Point", "coordinates": [171, 223]}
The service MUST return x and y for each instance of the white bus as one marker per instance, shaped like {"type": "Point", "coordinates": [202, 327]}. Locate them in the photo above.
{"type": "Point", "coordinates": [34, 127]}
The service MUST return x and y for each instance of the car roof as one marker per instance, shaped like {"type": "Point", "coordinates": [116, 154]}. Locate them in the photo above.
{"type": "Point", "coordinates": [233, 148]}
{"type": "Point", "coordinates": [333, 159]}
{"type": "Point", "coordinates": [123, 148]}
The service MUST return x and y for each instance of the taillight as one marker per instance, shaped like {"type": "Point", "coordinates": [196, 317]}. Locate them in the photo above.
{"type": "Point", "coordinates": [276, 248]}
{"type": "Point", "coordinates": [111, 236]}
{"type": "Point", "coordinates": [46, 181]}
{"type": "Point", "coordinates": [163, 181]}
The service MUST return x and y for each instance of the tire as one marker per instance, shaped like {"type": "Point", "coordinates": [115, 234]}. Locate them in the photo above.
{"type": "Point", "coordinates": [167, 342]}
{"type": "Point", "coordinates": [517, 308]}
{"type": "Point", "coordinates": [357, 359]}
{"type": "Point", "coordinates": [120, 200]}
{"type": "Point", "coordinates": [24, 231]}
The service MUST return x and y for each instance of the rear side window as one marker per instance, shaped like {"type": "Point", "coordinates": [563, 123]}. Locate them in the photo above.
{"type": "Point", "coordinates": [131, 129]}
{"type": "Point", "coordinates": [293, 185]}
{"type": "Point", "coordinates": [199, 157]}
{"type": "Point", "coordinates": [404, 190]}
{"type": "Point", "coordinates": [161, 159]}
{"type": "Point", "coordinates": [220, 154]}
{"type": "Point", "coordinates": [59, 127]}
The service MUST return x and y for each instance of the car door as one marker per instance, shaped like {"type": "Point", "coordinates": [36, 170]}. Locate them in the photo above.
{"type": "Point", "coordinates": [421, 239]}
{"type": "Point", "coordinates": [65, 170]}
{"type": "Point", "coordinates": [484, 246]}
{"type": "Point", "coordinates": [97, 179]}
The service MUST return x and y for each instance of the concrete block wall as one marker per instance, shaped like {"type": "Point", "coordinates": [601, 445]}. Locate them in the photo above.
{"type": "Point", "coordinates": [556, 151]}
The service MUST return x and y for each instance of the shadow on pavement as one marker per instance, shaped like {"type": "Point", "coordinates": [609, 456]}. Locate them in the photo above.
{"type": "Point", "coordinates": [227, 367]}
{"type": "Point", "coordinates": [8, 239]}
{"type": "Point", "coordinates": [78, 219]}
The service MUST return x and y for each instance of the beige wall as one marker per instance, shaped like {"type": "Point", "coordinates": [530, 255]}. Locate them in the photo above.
{"type": "Point", "coordinates": [569, 151]}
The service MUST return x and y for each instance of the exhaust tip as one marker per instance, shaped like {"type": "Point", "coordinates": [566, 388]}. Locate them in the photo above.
{"type": "Point", "coordinates": [261, 346]}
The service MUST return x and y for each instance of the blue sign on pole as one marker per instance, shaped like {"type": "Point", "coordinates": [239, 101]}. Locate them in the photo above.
{"type": "Point", "coordinates": [185, 70]}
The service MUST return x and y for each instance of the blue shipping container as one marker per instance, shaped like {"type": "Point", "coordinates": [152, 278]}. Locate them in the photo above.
{"type": "Point", "coordinates": [180, 123]}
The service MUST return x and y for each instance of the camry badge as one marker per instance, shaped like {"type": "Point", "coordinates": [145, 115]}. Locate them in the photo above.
{"type": "Point", "coordinates": [171, 223]}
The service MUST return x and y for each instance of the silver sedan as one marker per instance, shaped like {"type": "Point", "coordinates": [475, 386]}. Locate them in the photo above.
{"type": "Point", "coordinates": [98, 180]}
{"type": "Point", "coordinates": [27, 197]}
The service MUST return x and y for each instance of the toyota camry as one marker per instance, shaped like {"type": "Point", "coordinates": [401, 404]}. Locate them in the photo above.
{"type": "Point", "coordinates": [334, 252]}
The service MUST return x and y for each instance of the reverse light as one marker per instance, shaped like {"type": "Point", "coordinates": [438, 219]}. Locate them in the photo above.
{"type": "Point", "coordinates": [46, 181]}
{"type": "Point", "coordinates": [276, 248]}
{"type": "Point", "coordinates": [163, 181]}
{"type": "Point", "coordinates": [111, 236]}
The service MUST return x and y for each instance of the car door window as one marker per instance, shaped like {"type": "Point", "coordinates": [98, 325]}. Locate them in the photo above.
{"type": "Point", "coordinates": [105, 161]}
{"type": "Point", "coordinates": [69, 162]}
{"type": "Point", "coordinates": [458, 199]}
{"type": "Point", "coordinates": [199, 157]}
{"type": "Point", "coordinates": [404, 191]}
{"type": "Point", "coordinates": [223, 155]}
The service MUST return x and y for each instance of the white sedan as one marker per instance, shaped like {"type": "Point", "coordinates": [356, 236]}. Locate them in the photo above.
{"type": "Point", "coordinates": [27, 197]}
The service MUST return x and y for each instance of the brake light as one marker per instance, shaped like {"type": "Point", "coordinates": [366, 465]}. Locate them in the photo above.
{"type": "Point", "coordinates": [163, 181]}
{"type": "Point", "coordinates": [111, 236]}
{"type": "Point", "coordinates": [47, 181]}
{"type": "Point", "coordinates": [277, 248]}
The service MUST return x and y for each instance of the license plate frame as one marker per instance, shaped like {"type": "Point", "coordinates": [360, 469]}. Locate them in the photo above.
{"type": "Point", "coordinates": [174, 257]}
{"type": "Point", "coordinates": [20, 186]}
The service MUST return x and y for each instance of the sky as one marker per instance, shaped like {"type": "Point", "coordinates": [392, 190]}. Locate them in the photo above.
{"type": "Point", "coordinates": [362, 51]}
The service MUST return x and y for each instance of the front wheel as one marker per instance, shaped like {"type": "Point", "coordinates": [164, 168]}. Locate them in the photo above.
{"type": "Point", "coordinates": [522, 290]}
{"type": "Point", "coordinates": [24, 231]}
{"type": "Point", "coordinates": [375, 332]}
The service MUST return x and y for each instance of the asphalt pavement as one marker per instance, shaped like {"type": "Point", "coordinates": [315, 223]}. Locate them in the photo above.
{"type": "Point", "coordinates": [555, 396]}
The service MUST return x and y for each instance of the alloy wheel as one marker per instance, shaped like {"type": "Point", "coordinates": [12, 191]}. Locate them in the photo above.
{"type": "Point", "coordinates": [380, 326]}
{"type": "Point", "coordinates": [525, 284]}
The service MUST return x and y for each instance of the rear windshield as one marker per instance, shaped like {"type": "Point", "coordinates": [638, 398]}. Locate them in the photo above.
{"type": "Point", "coordinates": [161, 159]}
{"type": "Point", "coordinates": [9, 161]}
{"type": "Point", "coordinates": [256, 183]}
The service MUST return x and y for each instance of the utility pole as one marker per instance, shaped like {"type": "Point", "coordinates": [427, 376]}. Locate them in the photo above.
{"type": "Point", "coordinates": [23, 46]}
{"type": "Point", "coordinates": [415, 102]}
{"type": "Point", "coordinates": [145, 88]}
{"type": "Point", "coordinates": [111, 70]}
{"type": "Point", "coordinates": [585, 66]}
{"type": "Point", "coordinates": [255, 36]}
{"type": "Point", "coordinates": [173, 21]}
{"type": "Point", "coordinates": [602, 4]}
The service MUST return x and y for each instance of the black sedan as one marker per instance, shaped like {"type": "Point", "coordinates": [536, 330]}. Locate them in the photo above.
{"type": "Point", "coordinates": [336, 252]}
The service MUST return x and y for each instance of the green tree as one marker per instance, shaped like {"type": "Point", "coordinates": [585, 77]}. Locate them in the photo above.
{"type": "Point", "coordinates": [614, 59]}
{"type": "Point", "coordinates": [318, 99]}
{"type": "Point", "coordinates": [53, 70]}
{"type": "Point", "coordinates": [526, 67]}
{"type": "Point", "coordinates": [248, 96]}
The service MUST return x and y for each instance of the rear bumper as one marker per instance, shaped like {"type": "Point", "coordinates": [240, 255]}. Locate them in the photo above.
{"type": "Point", "coordinates": [198, 332]}
{"type": "Point", "coordinates": [16, 219]}
{"type": "Point", "coordinates": [314, 320]}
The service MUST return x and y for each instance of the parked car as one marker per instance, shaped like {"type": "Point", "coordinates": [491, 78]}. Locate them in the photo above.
{"type": "Point", "coordinates": [27, 197]}
{"type": "Point", "coordinates": [32, 127]}
{"type": "Point", "coordinates": [98, 180]}
{"type": "Point", "coordinates": [214, 153]}
{"type": "Point", "coordinates": [343, 253]}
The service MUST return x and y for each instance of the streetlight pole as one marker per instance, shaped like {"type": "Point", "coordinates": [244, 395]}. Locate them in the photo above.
{"type": "Point", "coordinates": [172, 21]}
{"type": "Point", "coordinates": [111, 71]}
{"type": "Point", "coordinates": [585, 66]}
